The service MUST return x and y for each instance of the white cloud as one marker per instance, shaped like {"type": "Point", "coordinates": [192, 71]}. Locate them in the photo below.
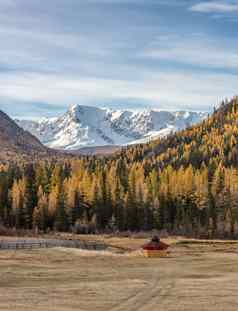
{"type": "Point", "coordinates": [214, 7]}
{"type": "Point", "coordinates": [196, 50]}
{"type": "Point", "coordinates": [175, 90]}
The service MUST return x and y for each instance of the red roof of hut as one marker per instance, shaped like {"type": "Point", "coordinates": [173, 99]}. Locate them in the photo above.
{"type": "Point", "coordinates": [155, 246]}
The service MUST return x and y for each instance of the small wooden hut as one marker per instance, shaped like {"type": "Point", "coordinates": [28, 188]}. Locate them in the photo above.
{"type": "Point", "coordinates": [155, 248]}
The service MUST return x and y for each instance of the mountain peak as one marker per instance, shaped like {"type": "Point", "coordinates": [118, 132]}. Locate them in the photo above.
{"type": "Point", "coordinates": [83, 108]}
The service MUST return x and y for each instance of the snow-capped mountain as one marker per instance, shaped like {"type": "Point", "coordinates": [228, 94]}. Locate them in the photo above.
{"type": "Point", "coordinates": [83, 126]}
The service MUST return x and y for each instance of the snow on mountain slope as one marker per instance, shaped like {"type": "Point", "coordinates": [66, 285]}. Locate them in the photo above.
{"type": "Point", "coordinates": [83, 126]}
{"type": "Point", "coordinates": [152, 135]}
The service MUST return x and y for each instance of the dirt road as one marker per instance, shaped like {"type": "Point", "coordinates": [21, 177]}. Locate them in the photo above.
{"type": "Point", "coordinates": [194, 277]}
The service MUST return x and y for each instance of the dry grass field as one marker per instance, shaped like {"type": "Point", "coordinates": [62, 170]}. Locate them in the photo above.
{"type": "Point", "coordinates": [195, 276]}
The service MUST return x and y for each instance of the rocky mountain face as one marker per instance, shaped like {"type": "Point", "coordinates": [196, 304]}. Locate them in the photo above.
{"type": "Point", "coordinates": [86, 126]}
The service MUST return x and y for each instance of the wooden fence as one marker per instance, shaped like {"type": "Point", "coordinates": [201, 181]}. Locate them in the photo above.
{"type": "Point", "coordinates": [47, 243]}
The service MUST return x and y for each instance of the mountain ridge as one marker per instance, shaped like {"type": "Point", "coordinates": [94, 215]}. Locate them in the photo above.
{"type": "Point", "coordinates": [88, 126]}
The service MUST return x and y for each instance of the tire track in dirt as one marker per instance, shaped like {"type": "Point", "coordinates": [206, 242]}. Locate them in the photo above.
{"type": "Point", "coordinates": [147, 298]}
{"type": "Point", "coordinates": [158, 298]}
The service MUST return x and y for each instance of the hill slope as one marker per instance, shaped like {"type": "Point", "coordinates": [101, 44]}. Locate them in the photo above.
{"type": "Point", "coordinates": [210, 142]}
{"type": "Point", "coordinates": [15, 142]}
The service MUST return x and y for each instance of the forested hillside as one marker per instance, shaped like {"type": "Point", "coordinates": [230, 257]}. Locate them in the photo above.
{"type": "Point", "coordinates": [186, 183]}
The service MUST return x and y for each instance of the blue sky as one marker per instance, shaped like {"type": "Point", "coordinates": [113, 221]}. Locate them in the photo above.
{"type": "Point", "coordinates": [167, 54]}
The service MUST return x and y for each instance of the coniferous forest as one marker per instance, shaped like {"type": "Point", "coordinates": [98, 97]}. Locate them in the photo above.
{"type": "Point", "coordinates": [186, 183]}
